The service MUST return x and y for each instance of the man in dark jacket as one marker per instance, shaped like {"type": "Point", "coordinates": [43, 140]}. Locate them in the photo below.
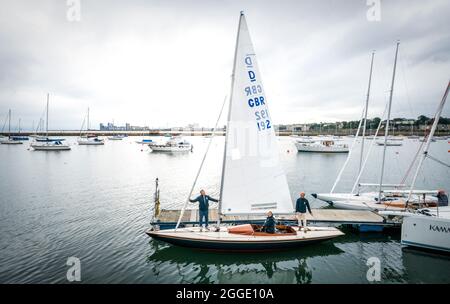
{"type": "Point", "coordinates": [300, 210]}
{"type": "Point", "coordinates": [442, 198]}
{"type": "Point", "coordinates": [203, 205]}
{"type": "Point", "coordinates": [269, 224]}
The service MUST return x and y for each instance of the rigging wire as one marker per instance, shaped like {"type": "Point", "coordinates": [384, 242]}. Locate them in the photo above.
{"type": "Point", "coordinates": [370, 149]}
{"type": "Point", "coordinates": [438, 161]}
{"type": "Point", "coordinates": [4, 124]}
{"type": "Point", "coordinates": [201, 164]}
{"type": "Point", "coordinates": [408, 172]}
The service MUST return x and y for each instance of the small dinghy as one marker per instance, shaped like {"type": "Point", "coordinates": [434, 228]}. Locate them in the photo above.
{"type": "Point", "coordinates": [253, 181]}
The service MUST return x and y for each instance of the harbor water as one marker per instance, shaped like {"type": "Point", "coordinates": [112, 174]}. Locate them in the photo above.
{"type": "Point", "coordinates": [95, 202]}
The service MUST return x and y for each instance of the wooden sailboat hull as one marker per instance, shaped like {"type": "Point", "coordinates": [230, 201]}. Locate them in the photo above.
{"type": "Point", "coordinates": [225, 241]}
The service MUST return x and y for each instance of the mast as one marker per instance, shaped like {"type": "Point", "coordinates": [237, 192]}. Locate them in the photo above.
{"type": "Point", "coordinates": [46, 122]}
{"type": "Point", "coordinates": [219, 211]}
{"type": "Point", "coordinates": [365, 114]}
{"type": "Point", "coordinates": [9, 124]}
{"type": "Point", "coordinates": [386, 130]}
{"type": "Point", "coordinates": [88, 121]}
{"type": "Point", "coordinates": [201, 166]}
{"type": "Point", "coordinates": [430, 136]}
{"type": "Point", "coordinates": [19, 126]}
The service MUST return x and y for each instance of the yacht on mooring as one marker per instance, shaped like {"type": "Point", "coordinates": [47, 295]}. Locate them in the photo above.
{"type": "Point", "coordinates": [9, 140]}
{"type": "Point", "coordinates": [48, 144]}
{"type": "Point", "coordinates": [89, 139]}
{"type": "Point", "coordinates": [252, 183]}
{"type": "Point", "coordinates": [174, 144]}
{"type": "Point", "coordinates": [323, 146]}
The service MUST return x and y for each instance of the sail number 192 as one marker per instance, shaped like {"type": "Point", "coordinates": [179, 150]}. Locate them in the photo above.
{"type": "Point", "coordinates": [262, 120]}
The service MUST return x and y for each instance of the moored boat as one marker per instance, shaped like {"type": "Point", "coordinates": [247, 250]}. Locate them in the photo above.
{"type": "Point", "coordinates": [10, 139]}
{"type": "Point", "coordinates": [247, 237]}
{"type": "Point", "coordinates": [252, 183]}
{"type": "Point", "coordinates": [92, 141]}
{"type": "Point", "coordinates": [89, 139]}
{"type": "Point", "coordinates": [116, 137]}
{"type": "Point", "coordinates": [390, 143]}
{"type": "Point", "coordinates": [323, 146]}
{"type": "Point", "coordinates": [174, 144]}
{"type": "Point", "coordinates": [50, 146]}
{"type": "Point", "coordinates": [47, 144]}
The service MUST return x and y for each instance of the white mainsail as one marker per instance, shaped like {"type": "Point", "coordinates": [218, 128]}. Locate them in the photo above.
{"type": "Point", "coordinates": [252, 179]}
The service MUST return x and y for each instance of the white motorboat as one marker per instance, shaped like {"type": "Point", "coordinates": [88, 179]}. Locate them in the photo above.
{"type": "Point", "coordinates": [116, 137]}
{"type": "Point", "coordinates": [174, 144]}
{"type": "Point", "coordinates": [252, 183]}
{"type": "Point", "coordinates": [144, 141]}
{"type": "Point", "coordinates": [48, 144]}
{"type": "Point", "coordinates": [323, 146]}
{"type": "Point", "coordinates": [90, 141]}
{"type": "Point", "coordinates": [390, 143]}
{"type": "Point", "coordinates": [395, 138]}
{"type": "Point", "coordinates": [303, 139]}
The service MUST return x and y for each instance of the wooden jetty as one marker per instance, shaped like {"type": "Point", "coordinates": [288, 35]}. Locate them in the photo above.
{"type": "Point", "coordinates": [168, 218]}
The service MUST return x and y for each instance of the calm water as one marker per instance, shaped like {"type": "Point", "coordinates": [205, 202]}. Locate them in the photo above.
{"type": "Point", "coordinates": [95, 203]}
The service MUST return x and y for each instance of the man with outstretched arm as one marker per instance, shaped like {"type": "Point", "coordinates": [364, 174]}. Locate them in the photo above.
{"type": "Point", "coordinates": [203, 201]}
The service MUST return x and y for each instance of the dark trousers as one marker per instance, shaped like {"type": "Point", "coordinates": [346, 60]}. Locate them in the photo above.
{"type": "Point", "coordinates": [203, 214]}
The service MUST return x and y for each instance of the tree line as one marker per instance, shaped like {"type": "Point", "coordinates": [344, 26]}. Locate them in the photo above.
{"type": "Point", "coordinates": [374, 122]}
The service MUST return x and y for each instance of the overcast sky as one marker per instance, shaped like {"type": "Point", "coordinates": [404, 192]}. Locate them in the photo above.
{"type": "Point", "coordinates": [168, 63]}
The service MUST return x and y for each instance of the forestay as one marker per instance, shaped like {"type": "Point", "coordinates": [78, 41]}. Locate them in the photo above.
{"type": "Point", "coordinates": [252, 179]}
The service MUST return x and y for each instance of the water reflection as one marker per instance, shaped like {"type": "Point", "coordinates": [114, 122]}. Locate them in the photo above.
{"type": "Point", "coordinates": [292, 266]}
{"type": "Point", "coordinates": [426, 266]}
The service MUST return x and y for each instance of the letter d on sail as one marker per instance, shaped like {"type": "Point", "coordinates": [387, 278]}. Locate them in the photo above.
{"type": "Point", "coordinates": [248, 61]}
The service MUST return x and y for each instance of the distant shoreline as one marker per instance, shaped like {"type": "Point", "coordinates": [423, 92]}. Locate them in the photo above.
{"type": "Point", "coordinates": [164, 132]}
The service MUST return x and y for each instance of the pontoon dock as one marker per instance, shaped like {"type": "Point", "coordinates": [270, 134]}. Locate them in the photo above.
{"type": "Point", "coordinates": [167, 219]}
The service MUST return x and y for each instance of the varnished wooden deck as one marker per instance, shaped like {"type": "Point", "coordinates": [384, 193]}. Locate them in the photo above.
{"type": "Point", "coordinates": [319, 216]}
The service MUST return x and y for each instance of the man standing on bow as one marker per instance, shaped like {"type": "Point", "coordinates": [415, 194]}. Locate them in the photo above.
{"type": "Point", "coordinates": [300, 210]}
{"type": "Point", "coordinates": [203, 201]}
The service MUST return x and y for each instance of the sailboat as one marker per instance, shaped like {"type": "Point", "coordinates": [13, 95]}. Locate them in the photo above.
{"type": "Point", "coordinates": [426, 228]}
{"type": "Point", "coordinates": [48, 144]}
{"type": "Point", "coordinates": [87, 139]}
{"type": "Point", "coordinates": [384, 198]}
{"type": "Point", "coordinates": [19, 137]}
{"type": "Point", "coordinates": [10, 140]}
{"type": "Point", "coordinates": [252, 182]}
